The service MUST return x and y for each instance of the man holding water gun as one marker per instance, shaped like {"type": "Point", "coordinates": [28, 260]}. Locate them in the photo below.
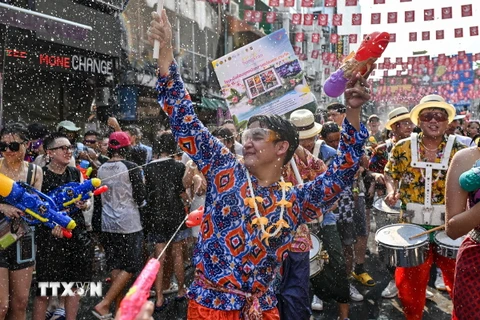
{"type": "Point", "coordinates": [60, 259]}
{"type": "Point", "coordinates": [241, 247]}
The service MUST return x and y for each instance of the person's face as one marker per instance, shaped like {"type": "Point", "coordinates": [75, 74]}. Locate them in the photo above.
{"type": "Point", "coordinates": [71, 136]}
{"type": "Point", "coordinates": [336, 117]}
{"type": "Point", "coordinates": [133, 138]}
{"type": "Point", "coordinates": [231, 127]}
{"type": "Point", "coordinates": [308, 143]}
{"type": "Point", "coordinates": [433, 122]}
{"type": "Point", "coordinates": [452, 126]}
{"type": "Point", "coordinates": [403, 129]}
{"type": "Point", "coordinates": [374, 124]}
{"type": "Point", "coordinates": [36, 146]}
{"type": "Point", "coordinates": [91, 141]}
{"type": "Point", "coordinates": [12, 147]}
{"type": "Point", "coordinates": [61, 151]}
{"type": "Point", "coordinates": [473, 129]}
{"type": "Point", "coordinates": [104, 146]}
{"type": "Point", "coordinates": [261, 147]}
{"type": "Point", "coordinates": [333, 139]}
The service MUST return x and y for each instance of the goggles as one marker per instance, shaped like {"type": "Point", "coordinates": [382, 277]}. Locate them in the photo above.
{"type": "Point", "coordinates": [259, 134]}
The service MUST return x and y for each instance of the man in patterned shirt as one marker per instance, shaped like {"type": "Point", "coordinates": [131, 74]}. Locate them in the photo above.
{"type": "Point", "coordinates": [249, 216]}
{"type": "Point", "coordinates": [432, 115]}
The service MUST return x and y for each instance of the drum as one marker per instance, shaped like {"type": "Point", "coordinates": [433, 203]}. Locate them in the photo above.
{"type": "Point", "coordinates": [316, 261]}
{"type": "Point", "coordinates": [387, 215]}
{"type": "Point", "coordinates": [446, 246]}
{"type": "Point", "coordinates": [395, 247]}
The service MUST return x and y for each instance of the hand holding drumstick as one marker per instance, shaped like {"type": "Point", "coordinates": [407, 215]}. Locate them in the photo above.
{"type": "Point", "coordinates": [427, 232]}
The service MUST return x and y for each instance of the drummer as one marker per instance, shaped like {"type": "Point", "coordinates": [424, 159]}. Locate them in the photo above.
{"type": "Point", "coordinates": [401, 126]}
{"type": "Point", "coordinates": [420, 188]}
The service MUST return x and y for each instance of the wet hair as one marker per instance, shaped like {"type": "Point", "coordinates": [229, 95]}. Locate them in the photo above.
{"type": "Point", "coordinates": [92, 133]}
{"type": "Point", "coordinates": [284, 128]}
{"type": "Point", "coordinates": [37, 131]}
{"type": "Point", "coordinates": [226, 135]}
{"type": "Point", "coordinates": [49, 140]}
{"type": "Point", "coordinates": [165, 143]}
{"type": "Point", "coordinates": [123, 152]}
{"type": "Point", "coordinates": [337, 106]}
{"type": "Point", "coordinates": [329, 127]}
{"type": "Point", "coordinates": [16, 128]}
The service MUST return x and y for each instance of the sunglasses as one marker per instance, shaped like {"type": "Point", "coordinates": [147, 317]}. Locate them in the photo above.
{"type": "Point", "coordinates": [64, 148]}
{"type": "Point", "coordinates": [438, 116]}
{"type": "Point", "coordinates": [12, 146]}
{"type": "Point", "coordinates": [259, 134]}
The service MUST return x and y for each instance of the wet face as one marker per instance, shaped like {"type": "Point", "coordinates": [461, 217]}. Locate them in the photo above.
{"type": "Point", "coordinates": [90, 141]}
{"type": "Point", "coordinates": [104, 146]}
{"type": "Point", "coordinates": [452, 126]}
{"type": "Point", "coordinates": [374, 124]}
{"type": "Point", "coordinates": [61, 151]}
{"type": "Point", "coordinates": [473, 129]}
{"type": "Point", "coordinates": [231, 127]}
{"type": "Point", "coordinates": [433, 122]}
{"type": "Point", "coordinates": [403, 129]}
{"type": "Point", "coordinates": [336, 117]}
{"type": "Point", "coordinates": [333, 139]}
{"type": "Point", "coordinates": [12, 147]}
{"type": "Point", "coordinates": [262, 147]}
{"type": "Point", "coordinates": [308, 143]}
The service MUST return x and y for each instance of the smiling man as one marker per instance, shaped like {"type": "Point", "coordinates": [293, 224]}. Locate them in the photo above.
{"type": "Point", "coordinates": [409, 167]}
{"type": "Point", "coordinates": [251, 214]}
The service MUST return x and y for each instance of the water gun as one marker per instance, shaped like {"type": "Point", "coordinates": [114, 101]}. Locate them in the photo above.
{"type": "Point", "coordinates": [85, 169]}
{"type": "Point", "coordinates": [470, 180]}
{"type": "Point", "coordinates": [139, 292]}
{"type": "Point", "coordinates": [39, 207]}
{"type": "Point", "coordinates": [195, 217]}
{"type": "Point", "coordinates": [68, 194]}
{"type": "Point", "coordinates": [371, 48]}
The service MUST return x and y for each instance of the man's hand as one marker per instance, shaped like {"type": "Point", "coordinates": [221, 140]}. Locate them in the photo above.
{"type": "Point", "coordinates": [57, 232]}
{"type": "Point", "coordinates": [391, 199]}
{"type": "Point", "coordinates": [161, 30]}
{"type": "Point", "coordinates": [357, 92]}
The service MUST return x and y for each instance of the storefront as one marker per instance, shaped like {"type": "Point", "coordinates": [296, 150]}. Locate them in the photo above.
{"type": "Point", "coordinates": [62, 57]}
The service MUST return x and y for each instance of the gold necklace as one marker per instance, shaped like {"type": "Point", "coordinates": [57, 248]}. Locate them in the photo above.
{"type": "Point", "coordinates": [262, 221]}
{"type": "Point", "coordinates": [425, 147]}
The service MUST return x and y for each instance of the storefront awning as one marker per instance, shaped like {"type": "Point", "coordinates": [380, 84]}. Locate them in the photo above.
{"type": "Point", "coordinates": [42, 23]}
{"type": "Point", "coordinates": [213, 104]}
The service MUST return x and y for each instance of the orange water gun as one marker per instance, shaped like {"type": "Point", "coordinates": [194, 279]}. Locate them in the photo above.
{"type": "Point", "coordinates": [371, 48]}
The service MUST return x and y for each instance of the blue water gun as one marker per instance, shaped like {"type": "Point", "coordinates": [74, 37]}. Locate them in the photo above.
{"type": "Point", "coordinates": [39, 208]}
{"type": "Point", "coordinates": [67, 195]}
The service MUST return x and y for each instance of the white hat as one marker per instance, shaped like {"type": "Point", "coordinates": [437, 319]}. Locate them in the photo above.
{"type": "Point", "coordinates": [459, 116]}
{"type": "Point", "coordinates": [396, 115]}
{"type": "Point", "coordinates": [432, 101]}
{"type": "Point", "coordinates": [68, 125]}
{"type": "Point", "coordinates": [304, 120]}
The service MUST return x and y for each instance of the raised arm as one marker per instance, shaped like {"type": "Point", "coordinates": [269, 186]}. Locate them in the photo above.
{"type": "Point", "coordinates": [324, 190]}
{"type": "Point", "coordinates": [192, 136]}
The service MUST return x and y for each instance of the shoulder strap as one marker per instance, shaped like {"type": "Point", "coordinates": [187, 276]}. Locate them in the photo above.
{"type": "Point", "coordinates": [316, 149]}
{"type": "Point", "coordinates": [31, 173]}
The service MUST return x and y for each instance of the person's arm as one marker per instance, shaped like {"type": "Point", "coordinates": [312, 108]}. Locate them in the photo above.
{"type": "Point", "coordinates": [192, 136]}
{"type": "Point", "coordinates": [38, 181]}
{"type": "Point", "coordinates": [138, 186]}
{"type": "Point", "coordinates": [458, 220]}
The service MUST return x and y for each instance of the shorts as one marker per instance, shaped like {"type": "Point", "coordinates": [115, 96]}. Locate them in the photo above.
{"type": "Point", "coordinates": [332, 281]}
{"type": "Point", "coordinates": [123, 251]}
{"type": "Point", "coordinates": [8, 259]}
{"type": "Point", "coordinates": [157, 238]}
{"type": "Point", "coordinates": [64, 260]}
{"type": "Point", "coordinates": [346, 231]}
{"type": "Point", "coordinates": [359, 218]}
{"type": "Point", "coordinates": [196, 311]}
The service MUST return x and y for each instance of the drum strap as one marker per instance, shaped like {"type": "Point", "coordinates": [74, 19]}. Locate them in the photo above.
{"type": "Point", "coordinates": [429, 166]}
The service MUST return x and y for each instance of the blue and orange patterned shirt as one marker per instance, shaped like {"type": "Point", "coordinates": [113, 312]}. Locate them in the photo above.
{"type": "Point", "coordinates": [229, 252]}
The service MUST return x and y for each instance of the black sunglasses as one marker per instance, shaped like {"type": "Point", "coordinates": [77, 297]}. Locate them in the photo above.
{"type": "Point", "coordinates": [64, 148]}
{"type": "Point", "coordinates": [13, 146]}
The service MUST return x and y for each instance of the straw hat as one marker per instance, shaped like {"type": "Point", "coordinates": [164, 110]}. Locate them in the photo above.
{"type": "Point", "coordinates": [305, 122]}
{"type": "Point", "coordinates": [397, 114]}
{"type": "Point", "coordinates": [432, 101]}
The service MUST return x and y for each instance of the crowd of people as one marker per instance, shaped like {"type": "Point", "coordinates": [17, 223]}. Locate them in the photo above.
{"type": "Point", "coordinates": [269, 194]}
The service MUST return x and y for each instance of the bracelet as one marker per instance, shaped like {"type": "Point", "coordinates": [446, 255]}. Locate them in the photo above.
{"type": "Point", "coordinates": [356, 190]}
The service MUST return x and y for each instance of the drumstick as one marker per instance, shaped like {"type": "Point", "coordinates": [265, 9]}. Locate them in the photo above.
{"type": "Point", "coordinates": [428, 231]}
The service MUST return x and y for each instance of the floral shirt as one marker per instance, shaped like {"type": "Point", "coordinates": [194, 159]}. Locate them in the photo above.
{"type": "Point", "coordinates": [379, 158]}
{"type": "Point", "coordinates": [230, 253]}
{"type": "Point", "coordinates": [412, 186]}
